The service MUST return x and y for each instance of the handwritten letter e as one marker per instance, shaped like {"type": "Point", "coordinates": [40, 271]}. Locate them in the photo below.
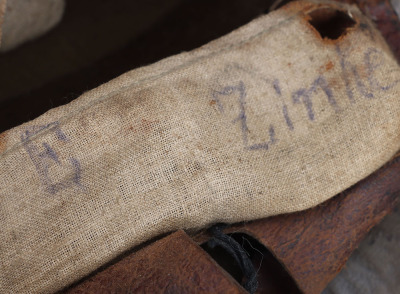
{"type": "Point", "coordinates": [54, 174]}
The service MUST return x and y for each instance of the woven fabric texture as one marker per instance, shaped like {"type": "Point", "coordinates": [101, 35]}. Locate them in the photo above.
{"type": "Point", "coordinates": [270, 119]}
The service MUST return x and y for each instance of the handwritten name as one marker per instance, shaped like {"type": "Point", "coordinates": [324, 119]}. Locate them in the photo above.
{"type": "Point", "coordinates": [367, 86]}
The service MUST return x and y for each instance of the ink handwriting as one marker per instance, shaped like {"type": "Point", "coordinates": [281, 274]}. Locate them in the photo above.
{"type": "Point", "coordinates": [54, 174]}
{"type": "Point", "coordinates": [242, 118]}
{"type": "Point", "coordinates": [362, 78]}
{"type": "Point", "coordinates": [304, 95]}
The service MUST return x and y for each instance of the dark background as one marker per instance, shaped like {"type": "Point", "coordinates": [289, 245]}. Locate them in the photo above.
{"type": "Point", "coordinates": [97, 41]}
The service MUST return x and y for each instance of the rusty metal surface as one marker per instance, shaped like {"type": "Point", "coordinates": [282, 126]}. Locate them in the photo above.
{"type": "Point", "coordinates": [314, 244]}
{"type": "Point", "coordinates": [174, 264]}
{"type": "Point", "coordinates": [385, 18]}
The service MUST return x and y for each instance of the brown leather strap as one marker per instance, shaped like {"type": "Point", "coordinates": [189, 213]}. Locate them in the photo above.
{"type": "Point", "coordinates": [312, 245]}
{"type": "Point", "coordinates": [174, 264]}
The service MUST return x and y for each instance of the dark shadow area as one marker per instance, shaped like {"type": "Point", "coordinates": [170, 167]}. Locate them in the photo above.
{"type": "Point", "coordinates": [331, 23]}
{"type": "Point", "coordinates": [96, 42]}
{"type": "Point", "coordinates": [272, 276]}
